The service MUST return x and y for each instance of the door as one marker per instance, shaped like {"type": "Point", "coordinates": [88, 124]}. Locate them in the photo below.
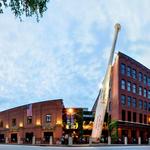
{"type": "Point", "coordinates": [2, 138]}
{"type": "Point", "coordinates": [14, 137]}
{"type": "Point", "coordinates": [28, 137]}
{"type": "Point", "coordinates": [47, 136]}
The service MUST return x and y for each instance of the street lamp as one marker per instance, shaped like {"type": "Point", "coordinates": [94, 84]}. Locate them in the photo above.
{"type": "Point", "coordinates": [70, 113]}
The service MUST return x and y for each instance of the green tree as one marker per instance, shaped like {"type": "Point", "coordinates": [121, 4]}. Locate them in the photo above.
{"type": "Point", "coordinates": [27, 8]}
{"type": "Point", "coordinates": [113, 130]}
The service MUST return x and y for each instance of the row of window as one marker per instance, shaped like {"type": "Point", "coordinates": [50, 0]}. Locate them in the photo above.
{"type": "Point", "coordinates": [133, 117]}
{"type": "Point", "coordinates": [132, 102]}
{"type": "Point", "coordinates": [132, 87]}
{"type": "Point", "coordinates": [131, 72]}
{"type": "Point", "coordinates": [29, 121]}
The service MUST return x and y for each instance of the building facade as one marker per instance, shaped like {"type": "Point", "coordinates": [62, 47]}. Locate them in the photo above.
{"type": "Point", "coordinates": [77, 123]}
{"type": "Point", "coordinates": [32, 123]}
{"type": "Point", "coordinates": [129, 103]}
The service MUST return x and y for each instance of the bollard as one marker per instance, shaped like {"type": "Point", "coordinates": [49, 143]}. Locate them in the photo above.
{"type": "Point", "coordinates": [6, 140]}
{"type": "Point", "coordinates": [139, 140]}
{"type": "Point", "coordinates": [70, 140]}
{"type": "Point", "coordinates": [33, 140]}
{"type": "Point", "coordinates": [50, 140]}
{"type": "Point", "coordinates": [19, 140]}
{"type": "Point", "coordinates": [109, 140]}
{"type": "Point", "coordinates": [125, 140]}
{"type": "Point", "coordinates": [90, 141]}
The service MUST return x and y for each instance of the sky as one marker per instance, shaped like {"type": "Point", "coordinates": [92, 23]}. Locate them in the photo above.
{"type": "Point", "coordinates": [65, 55]}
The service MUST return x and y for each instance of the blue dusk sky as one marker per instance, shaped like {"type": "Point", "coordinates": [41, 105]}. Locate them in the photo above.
{"type": "Point", "coordinates": [65, 55]}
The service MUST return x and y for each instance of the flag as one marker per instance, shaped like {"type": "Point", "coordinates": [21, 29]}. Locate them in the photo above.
{"type": "Point", "coordinates": [29, 110]}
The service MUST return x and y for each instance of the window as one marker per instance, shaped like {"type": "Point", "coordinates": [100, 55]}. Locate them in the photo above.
{"type": "Point", "coordinates": [145, 119]}
{"type": "Point", "coordinates": [1, 124]}
{"type": "Point", "coordinates": [13, 122]}
{"type": "Point", "coordinates": [134, 73]}
{"type": "Point", "coordinates": [128, 86]}
{"type": "Point", "coordinates": [140, 90]}
{"type": "Point", "coordinates": [123, 69]}
{"type": "Point", "coordinates": [123, 115]}
{"type": "Point", "coordinates": [129, 101]}
{"type": "Point", "coordinates": [123, 84]}
{"type": "Point", "coordinates": [148, 81]}
{"type": "Point", "coordinates": [148, 106]}
{"type": "Point", "coordinates": [144, 93]}
{"type": "Point", "coordinates": [123, 99]}
{"type": "Point", "coordinates": [140, 76]}
{"type": "Point", "coordinates": [48, 118]}
{"type": "Point", "coordinates": [148, 94]}
{"type": "Point", "coordinates": [129, 71]}
{"type": "Point", "coordinates": [134, 103]}
{"type": "Point", "coordinates": [134, 116]}
{"type": "Point", "coordinates": [145, 105]}
{"type": "Point", "coordinates": [134, 88]}
{"type": "Point", "coordinates": [144, 79]}
{"type": "Point", "coordinates": [129, 115]}
{"type": "Point", "coordinates": [29, 120]}
{"type": "Point", "coordinates": [140, 118]}
{"type": "Point", "coordinates": [140, 104]}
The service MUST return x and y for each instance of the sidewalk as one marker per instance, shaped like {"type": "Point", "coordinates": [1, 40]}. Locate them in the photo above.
{"type": "Point", "coordinates": [81, 145]}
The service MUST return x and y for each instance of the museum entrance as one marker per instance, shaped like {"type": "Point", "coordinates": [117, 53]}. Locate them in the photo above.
{"type": "Point", "coordinates": [14, 138]}
{"type": "Point", "coordinates": [2, 138]}
{"type": "Point", "coordinates": [47, 136]}
{"type": "Point", "coordinates": [28, 137]}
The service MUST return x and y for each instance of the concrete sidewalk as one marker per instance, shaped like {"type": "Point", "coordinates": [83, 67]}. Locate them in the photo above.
{"type": "Point", "coordinates": [81, 145]}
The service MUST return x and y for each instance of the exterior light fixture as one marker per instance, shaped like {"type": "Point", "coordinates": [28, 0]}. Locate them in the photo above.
{"type": "Point", "coordinates": [38, 122]}
{"type": "Point", "coordinates": [20, 124]}
{"type": "Point", "coordinates": [7, 126]}
{"type": "Point", "coordinates": [149, 120]}
{"type": "Point", "coordinates": [58, 122]}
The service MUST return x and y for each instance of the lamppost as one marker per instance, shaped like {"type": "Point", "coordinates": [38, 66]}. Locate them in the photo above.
{"type": "Point", "coordinates": [70, 113]}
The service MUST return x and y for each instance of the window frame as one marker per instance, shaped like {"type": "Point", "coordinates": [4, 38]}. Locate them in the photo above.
{"type": "Point", "coordinates": [123, 68]}
{"type": "Point", "coordinates": [48, 118]}
{"type": "Point", "coordinates": [29, 120]}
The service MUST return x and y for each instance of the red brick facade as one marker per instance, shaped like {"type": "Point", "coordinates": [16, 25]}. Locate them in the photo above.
{"type": "Point", "coordinates": [46, 121]}
{"type": "Point", "coordinates": [130, 98]}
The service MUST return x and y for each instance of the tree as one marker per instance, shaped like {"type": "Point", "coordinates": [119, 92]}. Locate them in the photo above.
{"type": "Point", "coordinates": [28, 8]}
{"type": "Point", "coordinates": [113, 130]}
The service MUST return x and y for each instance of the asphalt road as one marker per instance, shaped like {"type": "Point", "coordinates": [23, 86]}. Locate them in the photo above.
{"type": "Point", "coordinates": [21, 147]}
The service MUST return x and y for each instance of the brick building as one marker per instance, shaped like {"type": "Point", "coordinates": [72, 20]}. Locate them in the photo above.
{"type": "Point", "coordinates": [36, 121]}
{"type": "Point", "coordinates": [129, 102]}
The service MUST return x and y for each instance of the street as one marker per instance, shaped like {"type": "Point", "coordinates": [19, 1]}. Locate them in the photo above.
{"type": "Point", "coordinates": [23, 147]}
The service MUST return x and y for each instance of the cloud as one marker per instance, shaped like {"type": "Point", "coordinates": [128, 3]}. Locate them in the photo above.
{"type": "Point", "coordinates": [65, 55]}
